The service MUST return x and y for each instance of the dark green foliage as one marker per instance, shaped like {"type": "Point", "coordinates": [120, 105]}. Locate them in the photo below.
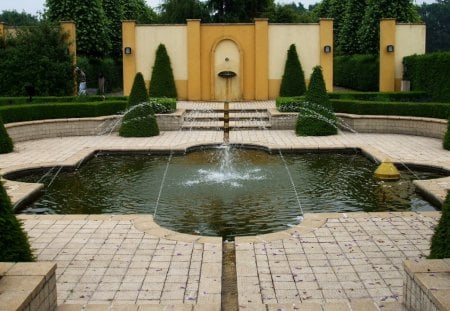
{"type": "Point", "coordinates": [436, 17]}
{"type": "Point", "coordinates": [14, 245]}
{"type": "Point", "coordinates": [139, 121]}
{"type": "Point", "coordinates": [427, 110]}
{"type": "Point", "coordinates": [293, 80]}
{"type": "Point", "coordinates": [14, 18]}
{"type": "Point", "coordinates": [232, 11]}
{"type": "Point", "coordinates": [440, 246]}
{"type": "Point", "coordinates": [417, 96]}
{"type": "Point", "coordinates": [357, 72]}
{"type": "Point", "coordinates": [290, 104]}
{"type": "Point", "coordinates": [430, 73]}
{"type": "Point", "coordinates": [111, 70]}
{"type": "Point", "coordinates": [346, 41]}
{"type": "Point", "coordinates": [30, 112]}
{"type": "Point", "coordinates": [5, 101]}
{"type": "Point", "coordinates": [446, 143]}
{"type": "Point", "coordinates": [163, 105]}
{"type": "Point", "coordinates": [317, 117]}
{"type": "Point", "coordinates": [137, 10]}
{"type": "Point", "coordinates": [6, 144]}
{"type": "Point", "coordinates": [138, 92]}
{"type": "Point", "coordinates": [49, 70]}
{"type": "Point", "coordinates": [289, 13]}
{"type": "Point", "coordinates": [162, 83]}
{"type": "Point", "coordinates": [177, 11]}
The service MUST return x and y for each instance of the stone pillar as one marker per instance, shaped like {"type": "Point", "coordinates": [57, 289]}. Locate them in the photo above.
{"type": "Point", "coordinates": [194, 59]}
{"type": "Point", "coordinates": [69, 28]}
{"type": "Point", "coordinates": [326, 51]}
{"type": "Point", "coordinates": [261, 58]}
{"type": "Point", "coordinates": [129, 60]}
{"type": "Point", "coordinates": [387, 54]}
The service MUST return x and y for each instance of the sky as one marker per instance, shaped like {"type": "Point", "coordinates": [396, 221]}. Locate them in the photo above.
{"type": "Point", "coordinates": [34, 6]}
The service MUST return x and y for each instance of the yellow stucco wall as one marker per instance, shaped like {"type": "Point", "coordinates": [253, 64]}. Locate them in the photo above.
{"type": "Point", "coordinates": [410, 39]}
{"type": "Point", "coordinates": [326, 59]}
{"type": "Point", "coordinates": [306, 39]}
{"type": "Point", "coordinates": [129, 60]}
{"type": "Point", "coordinates": [387, 59]}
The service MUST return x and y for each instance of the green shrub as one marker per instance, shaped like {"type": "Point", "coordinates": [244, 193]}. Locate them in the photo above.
{"type": "Point", "coordinates": [430, 72]}
{"type": "Point", "coordinates": [14, 245]}
{"type": "Point", "coordinates": [290, 104]}
{"type": "Point", "coordinates": [447, 137]}
{"type": "Point", "coordinates": [383, 96]}
{"type": "Point", "coordinates": [162, 83]}
{"type": "Point", "coordinates": [317, 117]}
{"type": "Point", "coordinates": [163, 105]}
{"type": "Point", "coordinates": [4, 101]}
{"type": "Point", "coordinates": [440, 246]}
{"type": "Point", "coordinates": [428, 110]}
{"type": "Point", "coordinates": [6, 144]}
{"type": "Point", "coordinates": [293, 80]}
{"type": "Point", "coordinates": [139, 121]}
{"type": "Point", "coordinates": [30, 112]}
{"type": "Point", "coordinates": [357, 72]}
{"type": "Point", "coordinates": [138, 92]}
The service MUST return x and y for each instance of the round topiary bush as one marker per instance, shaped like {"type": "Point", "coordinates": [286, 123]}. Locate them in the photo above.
{"type": "Point", "coordinates": [162, 83]}
{"type": "Point", "coordinates": [317, 117]}
{"type": "Point", "coordinates": [6, 144]}
{"type": "Point", "coordinates": [138, 92]}
{"type": "Point", "coordinates": [447, 137]}
{"type": "Point", "coordinates": [14, 245]}
{"type": "Point", "coordinates": [139, 121]}
{"type": "Point", "coordinates": [440, 243]}
{"type": "Point", "coordinates": [293, 80]}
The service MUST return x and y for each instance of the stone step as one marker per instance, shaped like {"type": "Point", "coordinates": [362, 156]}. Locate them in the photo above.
{"type": "Point", "coordinates": [138, 307]}
{"type": "Point", "coordinates": [249, 124]}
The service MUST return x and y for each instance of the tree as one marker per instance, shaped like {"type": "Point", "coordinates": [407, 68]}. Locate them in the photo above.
{"type": "Point", "coordinates": [289, 13]}
{"type": "Point", "coordinates": [14, 245]}
{"type": "Point", "coordinates": [177, 11]}
{"type": "Point", "coordinates": [437, 18]}
{"type": "Point", "coordinates": [49, 71]}
{"type": "Point", "coordinates": [138, 10]}
{"type": "Point", "coordinates": [440, 246]}
{"type": "Point", "coordinates": [238, 10]}
{"type": "Point", "coordinates": [317, 117]}
{"type": "Point", "coordinates": [162, 83]}
{"type": "Point", "coordinates": [15, 18]}
{"type": "Point", "coordinates": [138, 92]}
{"type": "Point", "coordinates": [114, 12]}
{"type": "Point", "coordinates": [369, 32]}
{"type": "Point", "coordinates": [293, 80]}
{"type": "Point", "coordinates": [6, 144]}
{"type": "Point", "coordinates": [347, 42]}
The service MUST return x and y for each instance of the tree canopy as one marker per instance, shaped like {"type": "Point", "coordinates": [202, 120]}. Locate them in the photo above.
{"type": "Point", "coordinates": [437, 18]}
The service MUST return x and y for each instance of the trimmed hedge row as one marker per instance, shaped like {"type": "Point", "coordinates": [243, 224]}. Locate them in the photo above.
{"type": "Point", "coordinates": [446, 143]}
{"type": "Point", "coordinates": [430, 72]}
{"type": "Point", "coordinates": [289, 104]}
{"type": "Point", "coordinates": [163, 104]}
{"type": "Point", "coordinates": [30, 112]}
{"type": "Point", "coordinates": [418, 96]}
{"type": "Point", "coordinates": [429, 110]}
{"type": "Point", "coordinates": [6, 144]}
{"type": "Point", "coordinates": [4, 101]}
{"type": "Point", "coordinates": [357, 72]}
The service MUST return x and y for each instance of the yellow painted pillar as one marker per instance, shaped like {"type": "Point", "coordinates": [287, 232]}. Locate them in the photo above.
{"type": "Point", "coordinates": [326, 49]}
{"type": "Point", "coordinates": [387, 55]}
{"type": "Point", "coordinates": [129, 55]}
{"type": "Point", "coordinates": [261, 58]}
{"type": "Point", "coordinates": [69, 28]}
{"type": "Point", "coordinates": [2, 30]}
{"type": "Point", "coordinates": [194, 59]}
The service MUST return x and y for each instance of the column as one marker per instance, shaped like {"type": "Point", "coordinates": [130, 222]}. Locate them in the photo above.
{"type": "Point", "coordinates": [387, 55]}
{"type": "Point", "coordinates": [129, 55]}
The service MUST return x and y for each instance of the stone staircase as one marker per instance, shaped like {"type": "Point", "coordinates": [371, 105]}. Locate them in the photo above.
{"type": "Point", "coordinates": [216, 119]}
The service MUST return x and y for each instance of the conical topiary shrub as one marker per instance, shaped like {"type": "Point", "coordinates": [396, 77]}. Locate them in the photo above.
{"type": "Point", "coordinates": [138, 92]}
{"type": "Point", "coordinates": [293, 80]}
{"type": "Point", "coordinates": [139, 121]}
{"type": "Point", "coordinates": [162, 83]}
{"type": "Point", "coordinates": [440, 243]}
{"type": "Point", "coordinates": [6, 144]}
{"type": "Point", "coordinates": [14, 245]}
{"type": "Point", "coordinates": [317, 117]}
{"type": "Point", "coordinates": [447, 137]}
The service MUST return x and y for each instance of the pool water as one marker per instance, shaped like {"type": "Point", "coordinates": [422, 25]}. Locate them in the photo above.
{"type": "Point", "coordinates": [226, 192]}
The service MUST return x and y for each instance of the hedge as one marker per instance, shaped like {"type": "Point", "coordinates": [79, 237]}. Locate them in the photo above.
{"type": "Point", "coordinates": [446, 143]}
{"type": "Point", "coordinates": [14, 245]}
{"type": "Point", "coordinates": [357, 72]}
{"type": "Point", "coordinates": [6, 144]}
{"type": "Point", "coordinates": [30, 112]}
{"type": "Point", "coordinates": [163, 105]}
{"type": "Point", "coordinates": [418, 96]}
{"type": "Point", "coordinates": [428, 110]}
{"type": "Point", "coordinates": [440, 246]}
{"type": "Point", "coordinates": [4, 101]}
{"type": "Point", "coordinates": [138, 93]}
{"type": "Point", "coordinates": [139, 121]}
{"type": "Point", "coordinates": [162, 82]}
{"type": "Point", "coordinates": [289, 104]}
{"type": "Point", "coordinates": [430, 73]}
{"type": "Point", "coordinates": [293, 80]}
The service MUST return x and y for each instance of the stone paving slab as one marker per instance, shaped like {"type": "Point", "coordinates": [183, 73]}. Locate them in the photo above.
{"type": "Point", "coordinates": [104, 259]}
{"type": "Point", "coordinates": [351, 256]}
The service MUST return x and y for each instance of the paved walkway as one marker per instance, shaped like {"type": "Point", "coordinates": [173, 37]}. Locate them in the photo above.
{"type": "Point", "coordinates": [329, 258]}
